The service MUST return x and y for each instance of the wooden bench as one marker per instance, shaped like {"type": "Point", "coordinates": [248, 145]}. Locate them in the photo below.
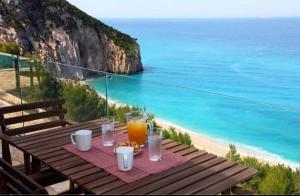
{"type": "Point", "coordinates": [49, 114]}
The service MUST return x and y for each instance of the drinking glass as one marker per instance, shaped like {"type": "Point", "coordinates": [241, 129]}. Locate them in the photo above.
{"type": "Point", "coordinates": [107, 127]}
{"type": "Point", "coordinates": [154, 144]}
{"type": "Point", "coordinates": [138, 127]}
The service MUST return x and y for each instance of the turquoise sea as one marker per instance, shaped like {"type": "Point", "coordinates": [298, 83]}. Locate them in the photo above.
{"type": "Point", "coordinates": [189, 65]}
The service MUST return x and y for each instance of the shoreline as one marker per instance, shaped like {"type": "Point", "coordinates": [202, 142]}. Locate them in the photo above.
{"type": "Point", "coordinates": [219, 147]}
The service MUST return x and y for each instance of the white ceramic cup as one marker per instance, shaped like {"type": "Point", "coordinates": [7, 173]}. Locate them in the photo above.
{"type": "Point", "coordinates": [82, 139]}
{"type": "Point", "coordinates": [125, 158]}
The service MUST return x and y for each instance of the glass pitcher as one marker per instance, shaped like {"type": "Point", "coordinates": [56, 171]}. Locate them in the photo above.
{"type": "Point", "coordinates": [138, 127]}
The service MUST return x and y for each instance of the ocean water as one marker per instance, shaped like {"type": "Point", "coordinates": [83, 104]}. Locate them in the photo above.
{"type": "Point", "coordinates": [216, 76]}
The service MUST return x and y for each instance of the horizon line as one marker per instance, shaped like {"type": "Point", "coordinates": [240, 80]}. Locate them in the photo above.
{"type": "Point", "coordinates": [250, 17]}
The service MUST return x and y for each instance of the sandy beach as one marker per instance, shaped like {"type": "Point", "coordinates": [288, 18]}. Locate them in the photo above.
{"type": "Point", "coordinates": [218, 146]}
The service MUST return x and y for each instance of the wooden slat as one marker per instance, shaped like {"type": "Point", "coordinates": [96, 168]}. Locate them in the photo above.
{"type": "Point", "coordinates": [230, 182]}
{"type": "Point", "coordinates": [38, 127]}
{"type": "Point", "coordinates": [31, 106]}
{"type": "Point", "coordinates": [179, 148]}
{"type": "Point", "coordinates": [218, 177]}
{"type": "Point", "coordinates": [188, 151]}
{"type": "Point", "coordinates": [31, 117]}
{"type": "Point", "coordinates": [58, 158]}
{"type": "Point", "coordinates": [78, 168]}
{"type": "Point", "coordinates": [171, 145]}
{"type": "Point", "coordinates": [84, 173]}
{"type": "Point", "coordinates": [108, 187]}
{"type": "Point", "coordinates": [184, 180]}
{"type": "Point", "coordinates": [70, 165]}
{"type": "Point", "coordinates": [64, 161]}
{"type": "Point", "coordinates": [101, 181]}
{"type": "Point", "coordinates": [93, 177]}
{"type": "Point", "coordinates": [53, 154]}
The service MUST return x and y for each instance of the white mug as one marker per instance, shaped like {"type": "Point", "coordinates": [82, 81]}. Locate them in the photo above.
{"type": "Point", "coordinates": [125, 158]}
{"type": "Point", "coordinates": [82, 139]}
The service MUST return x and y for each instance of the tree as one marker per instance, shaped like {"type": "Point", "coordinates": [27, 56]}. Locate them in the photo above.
{"type": "Point", "coordinates": [82, 102]}
{"type": "Point", "coordinates": [49, 87]}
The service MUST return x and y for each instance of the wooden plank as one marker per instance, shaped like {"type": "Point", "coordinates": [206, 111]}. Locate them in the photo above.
{"type": "Point", "coordinates": [230, 182]}
{"type": "Point", "coordinates": [179, 148]}
{"type": "Point", "coordinates": [53, 154]}
{"type": "Point", "coordinates": [107, 187]}
{"type": "Point", "coordinates": [31, 106]}
{"type": "Point", "coordinates": [100, 182]}
{"type": "Point", "coordinates": [65, 161]}
{"type": "Point", "coordinates": [87, 172]}
{"type": "Point", "coordinates": [166, 141]}
{"type": "Point", "coordinates": [46, 151]}
{"type": "Point", "coordinates": [69, 165]}
{"type": "Point", "coordinates": [157, 177]}
{"type": "Point", "coordinates": [162, 186]}
{"type": "Point", "coordinates": [171, 145]}
{"type": "Point", "coordinates": [93, 177]}
{"type": "Point", "coordinates": [58, 158]}
{"type": "Point", "coordinates": [187, 178]}
{"type": "Point", "coordinates": [78, 168]}
{"type": "Point", "coordinates": [218, 177]}
{"type": "Point", "coordinates": [31, 117]}
{"type": "Point", "coordinates": [37, 127]}
{"type": "Point", "coordinates": [188, 151]}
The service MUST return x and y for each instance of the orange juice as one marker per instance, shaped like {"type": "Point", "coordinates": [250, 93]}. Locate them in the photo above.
{"type": "Point", "coordinates": [137, 132]}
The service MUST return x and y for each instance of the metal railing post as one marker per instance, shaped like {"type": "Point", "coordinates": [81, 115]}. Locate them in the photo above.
{"type": "Point", "coordinates": [106, 94]}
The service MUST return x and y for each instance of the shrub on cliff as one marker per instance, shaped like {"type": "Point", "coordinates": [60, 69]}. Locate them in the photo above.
{"type": "Point", "coordinates": [270, 179]}
{"type": "Point", "coordinates": [82, 102]}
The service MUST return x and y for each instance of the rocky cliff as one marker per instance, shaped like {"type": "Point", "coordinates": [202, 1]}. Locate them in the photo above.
{"type": "Point", "coordinates": [55, 30]}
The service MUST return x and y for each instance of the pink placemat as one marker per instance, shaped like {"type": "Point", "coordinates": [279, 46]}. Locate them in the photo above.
{"type": "Point", "coordinates": [104, 157]}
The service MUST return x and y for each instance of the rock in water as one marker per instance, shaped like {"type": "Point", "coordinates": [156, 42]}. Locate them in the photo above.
{"type": "Point", "coordinates": [55, 30]}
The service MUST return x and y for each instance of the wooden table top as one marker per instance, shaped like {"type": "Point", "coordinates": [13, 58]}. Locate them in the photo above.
{"type": "Point", "coordinates": [205, 173]}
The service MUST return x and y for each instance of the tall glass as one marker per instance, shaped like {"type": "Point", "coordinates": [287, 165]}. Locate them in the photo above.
{"type": "Point", "coordinates": [138, 127]}
{"type": "Point", "coordinates": [154, 145]}
{"type": "Point", "coordinates": [108, 127]}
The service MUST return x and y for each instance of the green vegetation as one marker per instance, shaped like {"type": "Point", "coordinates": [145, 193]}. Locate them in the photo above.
{"type": "Point", "coordinates": [120, 39]}
{"type": "Point", "coordinates": [82, 102]}
{"type": "Point", "coordinates": [10, 47]}
{"type": "Point", "coordinates": [182, 138]}
{"type": "Point", "coordinates": [270, 179]}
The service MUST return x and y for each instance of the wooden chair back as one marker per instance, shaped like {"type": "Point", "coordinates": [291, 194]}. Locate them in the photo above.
{"type": "Point", "coordinates": [37, 112]}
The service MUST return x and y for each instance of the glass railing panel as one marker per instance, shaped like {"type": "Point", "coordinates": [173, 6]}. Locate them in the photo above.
{"type": "Point", "coordinates": [9, 79]}
{"type": "Point", "coordinates": [268, 131]}
{"type": "Point", "coordinates": [264, 130]}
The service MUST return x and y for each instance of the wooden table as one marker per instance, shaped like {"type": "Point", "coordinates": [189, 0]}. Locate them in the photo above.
{"type": "Point", "coordinates": [204, 174]}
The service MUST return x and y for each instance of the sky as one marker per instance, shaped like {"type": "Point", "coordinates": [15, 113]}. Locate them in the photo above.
{"type": "Point", "coordinates": [189, 8]}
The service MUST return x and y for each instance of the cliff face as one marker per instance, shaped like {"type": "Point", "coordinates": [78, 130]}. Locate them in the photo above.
{"type": "Point", "coordinates": [55, 30]}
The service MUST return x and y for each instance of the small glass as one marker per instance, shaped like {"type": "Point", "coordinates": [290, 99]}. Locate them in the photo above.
{"type": "Point", "coordinates": [108, 128]}
{"type": "Point", "coordinates": [154, 144]}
